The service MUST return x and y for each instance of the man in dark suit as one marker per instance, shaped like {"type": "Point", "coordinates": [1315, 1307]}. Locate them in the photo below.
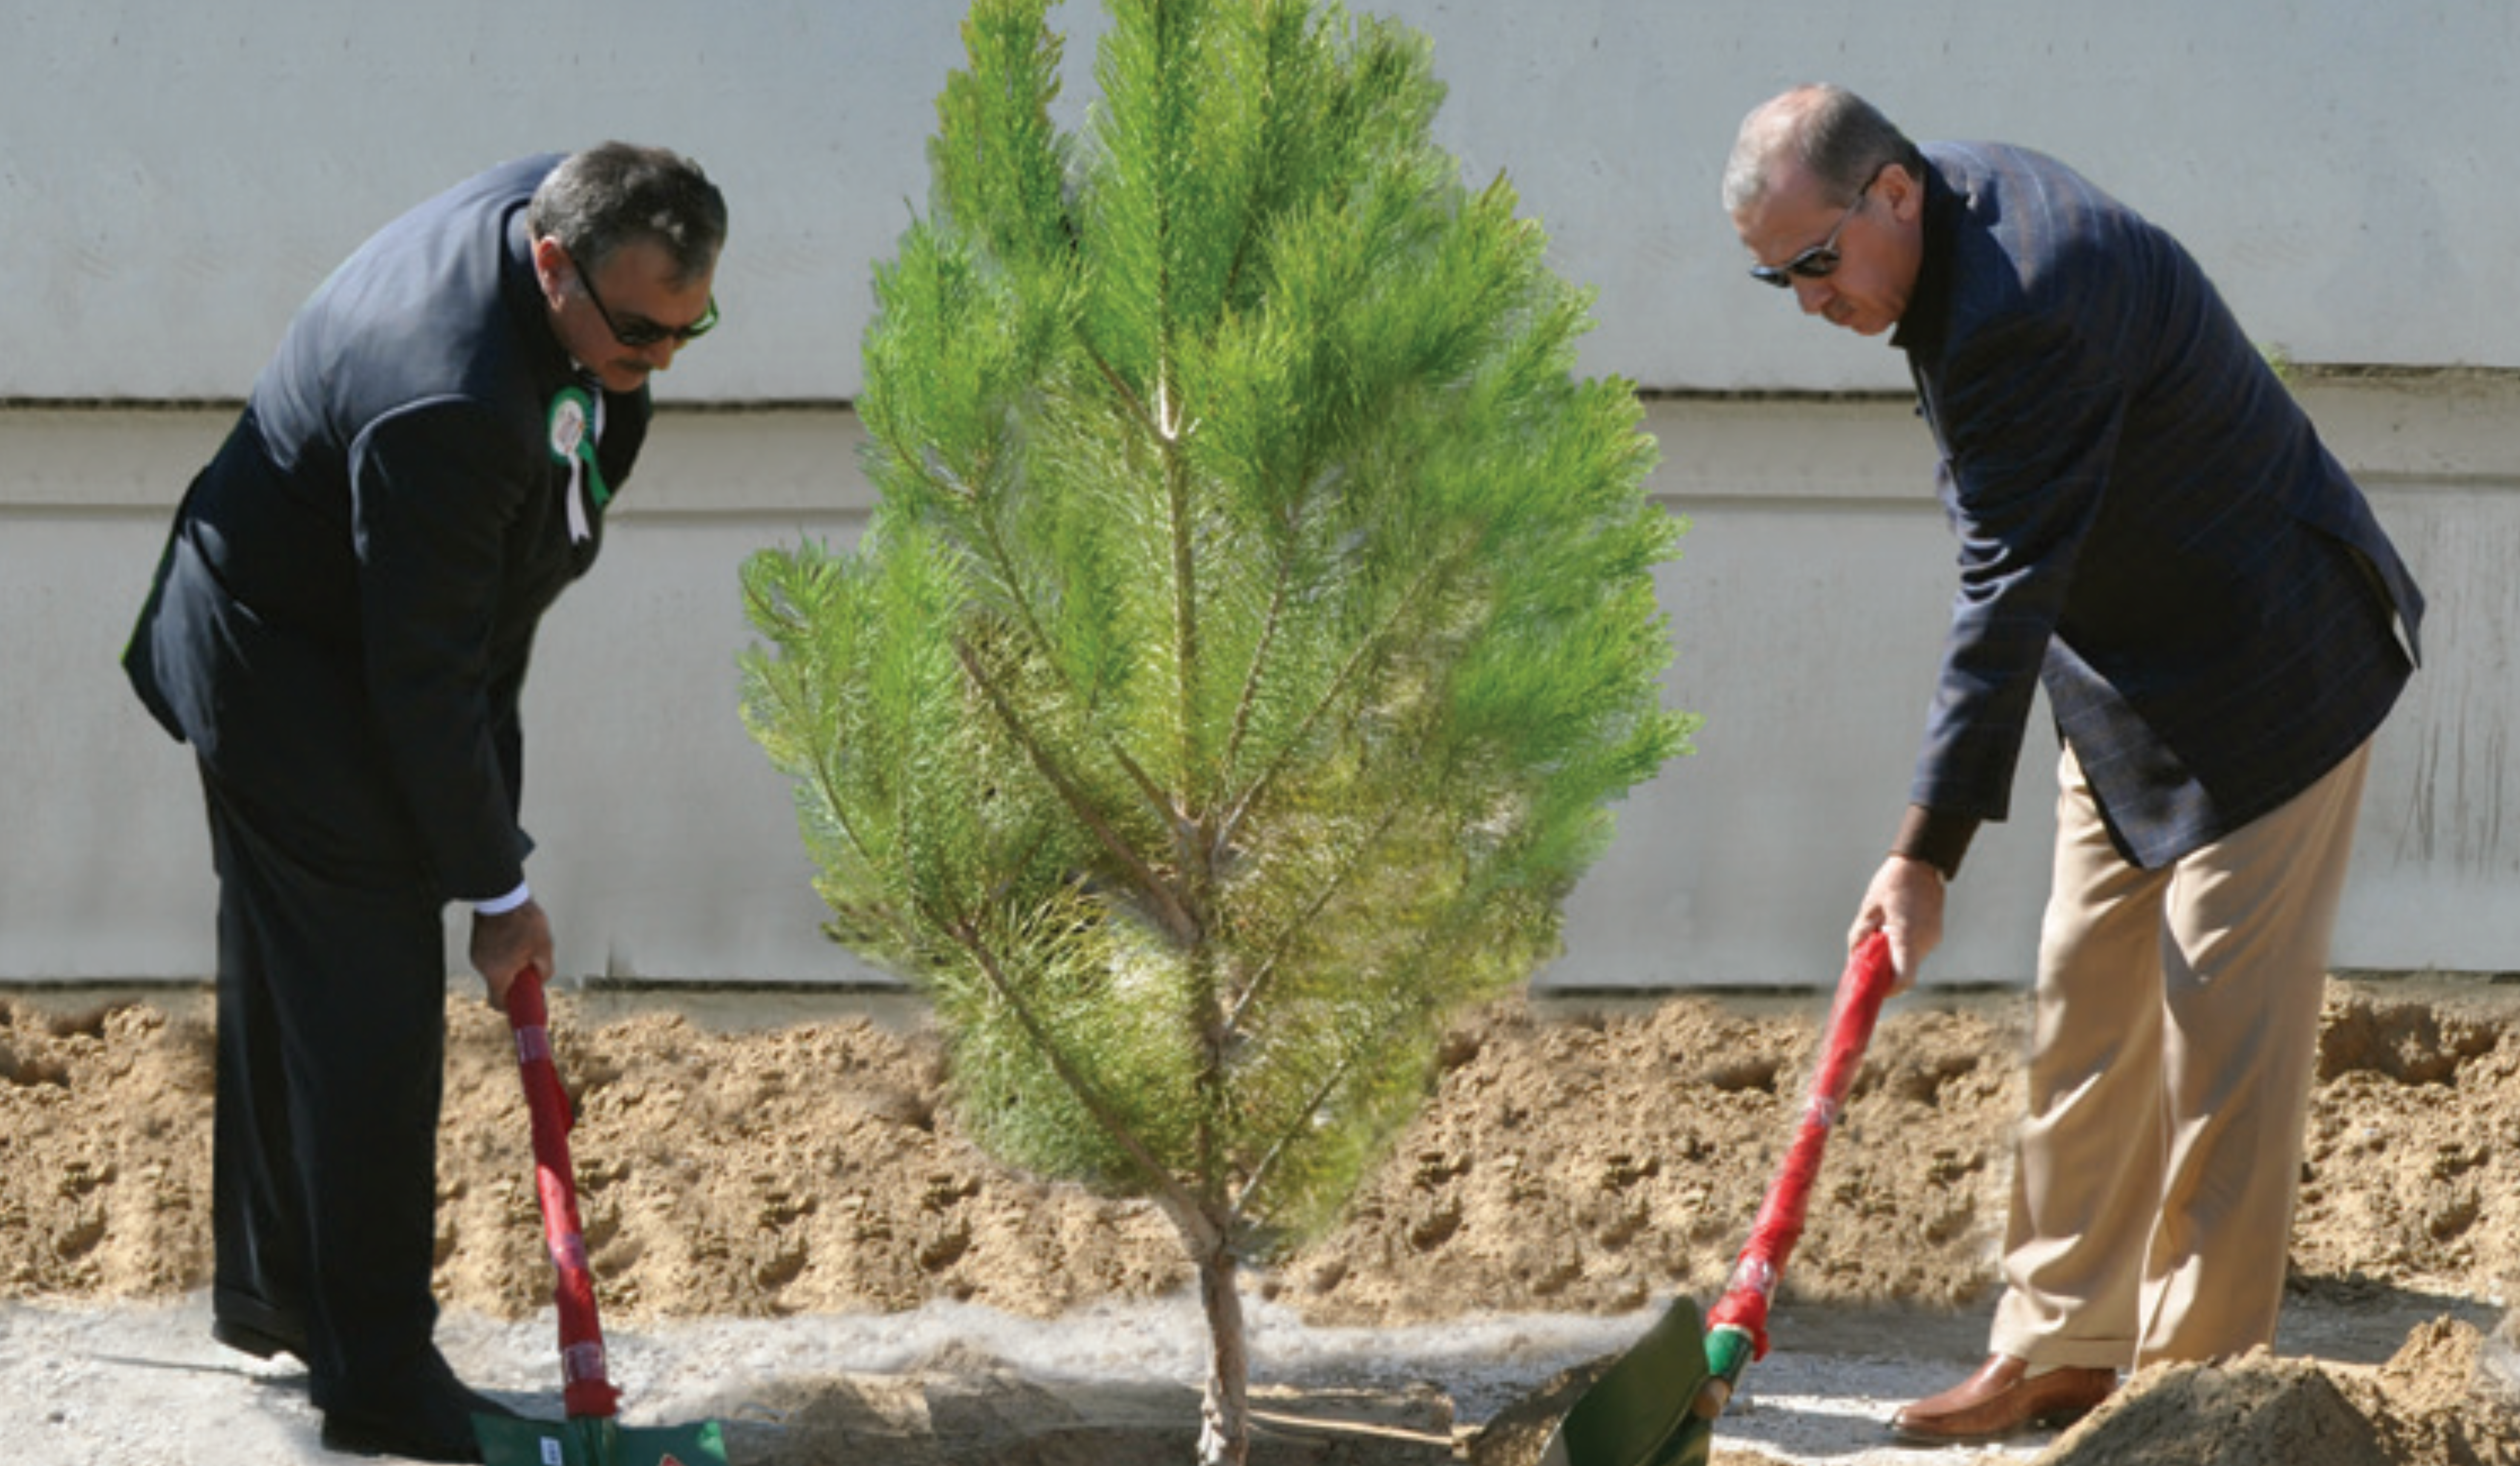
{"type": "Point", "coordinates": [340, 627]}
{"type": "Point", "coordinates": [2149, 526]}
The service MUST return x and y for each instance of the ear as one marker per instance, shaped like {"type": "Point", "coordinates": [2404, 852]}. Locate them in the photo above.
{"type": "Point", "coordinates": [1904, 192]}
{"type": "Point", "coordinates": [552, 269]}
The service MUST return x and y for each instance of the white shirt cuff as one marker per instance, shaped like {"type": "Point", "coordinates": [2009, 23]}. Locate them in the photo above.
{"type": "Point", "coordinates": [501, 906]}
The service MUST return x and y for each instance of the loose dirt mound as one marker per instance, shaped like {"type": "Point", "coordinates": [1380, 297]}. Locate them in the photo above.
{"type": "Point", "coordinates": [2429, 1406]}
{"type": "Point", "coordinates": [809, 1169]}
{"type": "Point", "coordinates": [1580, 1163]}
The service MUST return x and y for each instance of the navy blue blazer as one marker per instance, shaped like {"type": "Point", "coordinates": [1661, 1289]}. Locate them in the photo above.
{"type": "Point", "coordinates": [344, 615]}
{"type": "Point", "coordinates": [2147, 521]}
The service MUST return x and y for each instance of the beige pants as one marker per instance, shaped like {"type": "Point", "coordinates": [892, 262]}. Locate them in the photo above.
{"type": "Point", "coordinates": [2173, 1038]}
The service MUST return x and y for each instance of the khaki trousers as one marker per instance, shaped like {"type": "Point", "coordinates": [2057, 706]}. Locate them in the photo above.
{"type": "Point", "coordinates": [2174, 1026]}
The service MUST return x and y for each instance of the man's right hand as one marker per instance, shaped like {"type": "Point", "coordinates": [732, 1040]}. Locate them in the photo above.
{"type": "Point", "coordinates": [504, 945]}
{"type": "Point", "coordinates": [1904, 902]}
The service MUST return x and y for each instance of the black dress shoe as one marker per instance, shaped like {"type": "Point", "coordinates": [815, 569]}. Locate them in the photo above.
{"type": "Point", "coordinates": [259, 1340]}
{"type": "Point", "coordinates": [433, 1424]}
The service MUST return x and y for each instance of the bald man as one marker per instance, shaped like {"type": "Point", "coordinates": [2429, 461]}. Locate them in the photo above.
{"type": "Point", "coordinates": [2150, 529]}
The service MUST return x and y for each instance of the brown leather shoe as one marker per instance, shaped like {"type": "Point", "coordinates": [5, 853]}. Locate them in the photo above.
{"type": "Point", "coordinates": [2000, 1399]}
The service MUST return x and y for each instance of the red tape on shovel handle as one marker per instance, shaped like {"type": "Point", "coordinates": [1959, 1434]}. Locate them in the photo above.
{"type": "Point", "coordinates": [586, 1389]}
{"type": "Point", "coordinates": [1867, 980]}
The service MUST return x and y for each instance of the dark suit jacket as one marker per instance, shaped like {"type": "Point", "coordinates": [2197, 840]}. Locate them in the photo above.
{"type": "Point", "coordinates": [2146, 522]}
{"type": "Point", "coordinates": [341, 621]}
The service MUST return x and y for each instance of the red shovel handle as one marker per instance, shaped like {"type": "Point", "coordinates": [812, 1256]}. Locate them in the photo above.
{"type": "Point", "coordinates": [586, 1389]}
{"type": "Point", "coordinates": [1867, 980]}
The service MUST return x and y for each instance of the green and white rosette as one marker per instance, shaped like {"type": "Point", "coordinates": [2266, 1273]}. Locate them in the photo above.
{"type": "Point", "coordinates": [576, 423]}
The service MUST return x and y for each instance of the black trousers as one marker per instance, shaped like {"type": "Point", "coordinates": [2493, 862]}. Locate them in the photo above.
{"type": "Point", "coordinates": [331, 1041]}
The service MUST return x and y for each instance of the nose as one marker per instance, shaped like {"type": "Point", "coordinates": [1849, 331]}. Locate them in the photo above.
{"type": "Point", "coordinates": [660, 356]}
{"type": "Point", "coordinates": [1812, 294]}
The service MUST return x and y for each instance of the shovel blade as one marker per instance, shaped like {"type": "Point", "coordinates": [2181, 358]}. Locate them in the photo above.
{"type": "Point", "coordinates": [597, 1441]}
{"type": "Point", "coordinates": [1642, 1410]}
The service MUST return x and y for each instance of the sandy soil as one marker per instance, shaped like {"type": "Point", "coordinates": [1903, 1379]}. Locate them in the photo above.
{"type": "Point", "coordinates": [797, 1197]}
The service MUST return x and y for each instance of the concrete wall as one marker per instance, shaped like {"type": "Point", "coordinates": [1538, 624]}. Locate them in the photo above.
{"type": "Point", "coordinates": [1808, 606]}
{"type": "Point", "coordinates": [178, 177]}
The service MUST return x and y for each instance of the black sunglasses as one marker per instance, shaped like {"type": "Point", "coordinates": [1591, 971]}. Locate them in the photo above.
{"type": "Point", "coordinates": [1819, 261]}
{"type": "Point", "coordinates": [641, 335]}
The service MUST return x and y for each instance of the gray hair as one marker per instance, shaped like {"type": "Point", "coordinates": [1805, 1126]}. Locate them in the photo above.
{"type": "Point", "coordinates": [609, 196]}
{"type": "Point", "coordinates": [1840, 138]}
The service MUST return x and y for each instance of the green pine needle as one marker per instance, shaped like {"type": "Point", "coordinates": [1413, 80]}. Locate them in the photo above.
{"type": "Point", "coordinates": [1258, 620]}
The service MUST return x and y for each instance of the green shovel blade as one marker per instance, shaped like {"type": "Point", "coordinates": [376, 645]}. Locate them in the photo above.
{"type": "Point", "coordinates": [1640, 1412]}
{"type": "Point", "coordinates": [597, 1441]}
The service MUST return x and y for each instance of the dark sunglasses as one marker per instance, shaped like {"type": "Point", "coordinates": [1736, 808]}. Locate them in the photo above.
{"type": "Point", "coordinates": [1819, 261]}
{"type": "Point", "coordinates": [641, 335]}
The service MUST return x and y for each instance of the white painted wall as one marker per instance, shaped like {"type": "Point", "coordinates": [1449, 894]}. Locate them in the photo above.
{"type": "Point", "coordinates": [1808, 606]}
{"type": "Point", "coordinates": [176, 178]}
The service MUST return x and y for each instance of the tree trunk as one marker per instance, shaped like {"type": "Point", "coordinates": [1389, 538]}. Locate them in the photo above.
{"type": "Point", "coordinates": [1225, 1411]}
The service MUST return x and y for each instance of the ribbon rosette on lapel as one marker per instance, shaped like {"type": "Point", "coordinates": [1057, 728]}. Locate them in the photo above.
{"type": "Point", "coordinates": [576, 423]}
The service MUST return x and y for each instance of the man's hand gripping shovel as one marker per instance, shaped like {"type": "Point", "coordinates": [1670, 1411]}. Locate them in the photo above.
{"type": "Point", "coordinates": [591, 1436]}
{"type": "Point", "coordinates": [1657, 1403]}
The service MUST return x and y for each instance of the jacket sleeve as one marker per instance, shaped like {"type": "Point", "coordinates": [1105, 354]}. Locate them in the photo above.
{"type": "Point", "coordinates": [2029, 416]}
{"type": "Point", "coordinates": [434, 490]}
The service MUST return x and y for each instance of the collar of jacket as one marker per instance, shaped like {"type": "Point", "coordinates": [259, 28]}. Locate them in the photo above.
{"type": "Point", "coordinates": [531, 311]}
{"type": "Point", "coordinates": [1928, 316]}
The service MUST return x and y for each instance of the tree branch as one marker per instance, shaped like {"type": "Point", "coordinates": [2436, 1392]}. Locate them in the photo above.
{"type": "Point", "coordinates": [1304, 920]}
{"type": "Point", "coordinates": [1260, 651]}
{"type": "Point", "coordinates": [1178, 1200]}
{"type": "Point", "coordinates": [1298, 1126]}
{"type": "Point", "coordinates": [1177, 919]}
{"type": "Point", "coordinates": [818, 770]}
{"type": "Point", "coordinates": [1030, 621]}
{"type": "Point", "coordinates": [1367, 650]}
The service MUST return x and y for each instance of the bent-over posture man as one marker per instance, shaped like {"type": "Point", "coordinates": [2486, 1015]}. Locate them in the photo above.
{"type": "Point", "coordinates": [2149, 526]}
{"type": "Point", "coordinates": [340, 628]}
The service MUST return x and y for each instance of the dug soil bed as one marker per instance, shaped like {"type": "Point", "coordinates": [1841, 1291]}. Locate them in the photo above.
{"type": "Point", "coordinates": [1573, 1159]}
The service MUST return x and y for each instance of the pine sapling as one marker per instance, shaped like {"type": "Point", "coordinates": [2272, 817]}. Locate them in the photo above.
{"type": "Point", "coordinates": [1255, 627]}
